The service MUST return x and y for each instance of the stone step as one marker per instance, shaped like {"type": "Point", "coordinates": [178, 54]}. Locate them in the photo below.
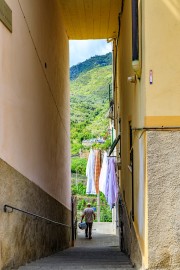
{"type": "Point", "coordinates": [75, 268]}
{"type": "Point", "coordinates": [88, 259]}
{"type": "Point", "coordinates": [101, 253]}
{"type": "Point", "coordinates": [45, 267]}
{"type": "Point", "coordinates": [59, 266]}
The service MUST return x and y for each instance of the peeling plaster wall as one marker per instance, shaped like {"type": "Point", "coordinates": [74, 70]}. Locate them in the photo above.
{"type": "Point", "coordinates": [163, 162]}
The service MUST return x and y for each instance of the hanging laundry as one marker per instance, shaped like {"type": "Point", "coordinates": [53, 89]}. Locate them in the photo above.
{"type": "Point", "coordinates": [112, 188]}
{"type": "Point", "coordinates": [90, 170]}
{"type": "Point", "coordinates": [97, 169]}
{"type": "Point", "coordinates": [103, 174]}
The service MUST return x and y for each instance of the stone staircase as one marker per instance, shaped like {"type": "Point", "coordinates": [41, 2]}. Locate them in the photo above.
{"type": "Point", "coordinates": [83, 258]}
{"type": "Point", "coordinates": [102, 252]}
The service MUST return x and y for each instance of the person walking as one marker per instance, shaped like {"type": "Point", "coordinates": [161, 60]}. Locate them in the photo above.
{"type": "Point", "coordinates": [89, 216]}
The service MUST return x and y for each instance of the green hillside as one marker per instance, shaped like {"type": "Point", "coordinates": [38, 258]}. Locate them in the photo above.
{"type": "Point", "coordinates": [89, 85]}
{"type": "Point", "coordinates": [90, 103]}
{"type": "Point", "coordinates": [95, 61]}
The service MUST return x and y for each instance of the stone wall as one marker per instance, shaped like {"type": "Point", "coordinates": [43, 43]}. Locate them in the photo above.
{"type": "Point", "coordinates": [128, 240]}
{"type": "Point", "coordinates": [163, 172]}
{"type": "Point", "coordinates": [24, 238]}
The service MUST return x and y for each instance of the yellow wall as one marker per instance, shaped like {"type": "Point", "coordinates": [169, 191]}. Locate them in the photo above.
{"type": "Point", "coordinates": [124, 50]}
{"type": "Point", "coordinates": [145, 104]}
{"type": "Point", "coordinates": [132, 108]}
{"type": "Point", "coordinates": [34, 104]}
{"type": "Point", "coordinates": [162, 40]}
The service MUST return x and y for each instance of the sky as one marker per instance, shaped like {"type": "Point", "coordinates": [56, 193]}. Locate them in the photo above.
{"type": "Point", "coordinates": [80, 50]}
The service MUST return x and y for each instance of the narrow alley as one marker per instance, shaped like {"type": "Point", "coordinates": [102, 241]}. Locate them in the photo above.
{"type": "Point", "coordinates": [143, 115]}
{"type": "Point", "coordinates": [102, 252]}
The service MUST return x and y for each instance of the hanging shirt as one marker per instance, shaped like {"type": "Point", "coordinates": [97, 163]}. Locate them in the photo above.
{"type": "Point", "coordinates": [112, 188]}
{"type": "Point", "coordinates": [97, 169]}
{"type": "Point", "coordinates": [103, 174]}
{"type": "Point", "coordinates": [90, 187]}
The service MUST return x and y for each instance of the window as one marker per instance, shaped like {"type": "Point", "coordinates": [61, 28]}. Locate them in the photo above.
{"type": "Point", "coordinates": [136, 44]}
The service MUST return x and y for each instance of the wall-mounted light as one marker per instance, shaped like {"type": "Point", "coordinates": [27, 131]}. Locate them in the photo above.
{"type": "Point", "coordinates": [132, 79]}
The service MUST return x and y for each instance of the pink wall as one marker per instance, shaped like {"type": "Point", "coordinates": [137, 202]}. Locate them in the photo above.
{"type": "Point", "coordinates": [34, 104]}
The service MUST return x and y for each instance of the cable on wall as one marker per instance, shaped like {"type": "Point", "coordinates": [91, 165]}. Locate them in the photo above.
{"type": "Point", "coordinates": [48, 83]}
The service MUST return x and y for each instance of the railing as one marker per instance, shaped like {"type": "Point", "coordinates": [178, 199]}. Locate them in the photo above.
{"type": "Point", "coordinates": [6, 207]}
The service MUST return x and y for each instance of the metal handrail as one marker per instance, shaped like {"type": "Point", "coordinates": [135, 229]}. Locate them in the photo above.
{"type": "Point", "coordinates": [6, 206]}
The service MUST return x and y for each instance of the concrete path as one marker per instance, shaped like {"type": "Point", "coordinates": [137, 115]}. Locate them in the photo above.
{"type": "Point", "coordinates": [101, 252]}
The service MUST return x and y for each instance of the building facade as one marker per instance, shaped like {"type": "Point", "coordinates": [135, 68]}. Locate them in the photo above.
{"type": "Point", "coordinates": [34, 124]}
{"type": "Point", "coordinates": [35, 133]}
{"type": "Point", "coordinates": [147, 117]}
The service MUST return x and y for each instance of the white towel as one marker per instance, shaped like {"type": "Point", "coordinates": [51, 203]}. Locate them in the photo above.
{"type": "Point", "coordinates": [90, 187]}
{"type": "Point", "coordinates": [103, 174]}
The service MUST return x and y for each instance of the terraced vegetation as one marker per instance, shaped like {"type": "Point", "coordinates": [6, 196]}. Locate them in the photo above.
{"type": "Point", "coordinates": [89, 83]}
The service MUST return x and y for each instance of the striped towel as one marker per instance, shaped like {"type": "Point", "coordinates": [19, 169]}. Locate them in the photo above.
{"type": "Point", "coordinates": [97, 169]}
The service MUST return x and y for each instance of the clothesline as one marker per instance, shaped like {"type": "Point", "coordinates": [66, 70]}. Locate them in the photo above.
{"type": "Point", "coordinates": [103, 178]}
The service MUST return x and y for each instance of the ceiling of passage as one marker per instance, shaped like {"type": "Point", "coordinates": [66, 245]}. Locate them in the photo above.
{"type": "Point", "coordinates": [91, 19]}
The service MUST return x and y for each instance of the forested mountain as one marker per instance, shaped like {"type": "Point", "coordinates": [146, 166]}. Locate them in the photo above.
{"type": "Point", "coordinates": [93, 62]}
{"type": "Point", "coordinates": [90, 100]}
